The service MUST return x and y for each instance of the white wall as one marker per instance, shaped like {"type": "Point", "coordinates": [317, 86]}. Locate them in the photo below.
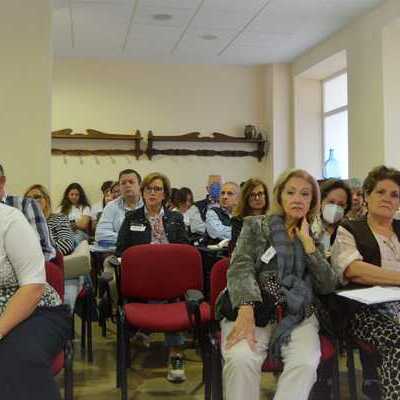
{"type": "Point", "coordinates": [363, 43]}
{"type": "Point", "coordinates": [391, 92]}
{"type": "Point", "coordinates": [119, 97]}
{"type": "Point", "coordinates": [25, 79]}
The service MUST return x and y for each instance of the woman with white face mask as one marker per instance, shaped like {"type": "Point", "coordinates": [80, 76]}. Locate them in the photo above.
{"type": "Point", "coordinates": [335, 203]}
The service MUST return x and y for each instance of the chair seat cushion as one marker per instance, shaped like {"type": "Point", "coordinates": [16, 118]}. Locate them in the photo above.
{"type": "Point", "coordinates": [58, 363]}
{"type": "Point", "coordinates": [165, 317]}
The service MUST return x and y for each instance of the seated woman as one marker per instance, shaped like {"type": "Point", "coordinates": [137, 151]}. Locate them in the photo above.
{"type": "Point", "coordinates": [184, 200]}
{"type": "Point", "coordinates": [335, 203]}
{"type": "Point", "coordinates": [367, 252]}
{"type": "Point", "coordinates": [155, 224]}
{"type": "Point", "coordinates": [358, 209]}
{"type": "Point", "coordinates": [76, 260]}
{"type": "Point", "coordinates": [276, 259]}
{"type": "Point", "coordinates": [76, 207]}
{"type": "Point", "coordinates": [98, 207]}
{"type": "Point", "coordinates": [254, 200]}
{"type": "Point", "coordinates": [59, 226]}
{"type": "Point", "coordinates": [33, 323]}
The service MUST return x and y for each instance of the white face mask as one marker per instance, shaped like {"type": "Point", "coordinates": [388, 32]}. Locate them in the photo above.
{"type": "Point", "coordinates": [332, 213]}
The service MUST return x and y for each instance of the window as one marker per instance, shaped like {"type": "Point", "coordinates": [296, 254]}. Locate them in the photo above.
{"type": "Point", "coordinates": [335, 127]}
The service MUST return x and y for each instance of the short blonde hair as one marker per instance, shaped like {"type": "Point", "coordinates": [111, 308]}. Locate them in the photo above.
{"type": "Point", "coordinates": [276, 207]}
{"type": "Point", "coordinates": [45, 195]}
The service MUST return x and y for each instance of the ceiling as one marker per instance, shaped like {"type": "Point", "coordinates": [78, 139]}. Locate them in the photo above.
{"type": "Point", "coordinates": [243, 32]}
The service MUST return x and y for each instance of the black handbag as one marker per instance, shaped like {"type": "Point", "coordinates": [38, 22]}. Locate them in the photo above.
{"type": "Point", "coordinates": [264, 311]}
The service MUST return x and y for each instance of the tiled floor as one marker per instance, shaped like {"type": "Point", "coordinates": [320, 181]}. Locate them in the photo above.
{"type": "Point", "coordinates": [147, 378]}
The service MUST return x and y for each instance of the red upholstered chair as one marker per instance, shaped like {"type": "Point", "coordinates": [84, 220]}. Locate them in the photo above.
{"type": "Point", "coordinates": [328, 363]}
{"type": "Point", "coordinates": [55, 277]}
{"type": "Point", "coordinates": [162, 272]}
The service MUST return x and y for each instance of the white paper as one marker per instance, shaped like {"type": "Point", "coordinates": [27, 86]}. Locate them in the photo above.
{"type": "Point", "coordinates": [372, 295]}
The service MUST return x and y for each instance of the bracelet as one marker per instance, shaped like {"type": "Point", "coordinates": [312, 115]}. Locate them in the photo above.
{"type": "Point", "coordinates": [247, 303]}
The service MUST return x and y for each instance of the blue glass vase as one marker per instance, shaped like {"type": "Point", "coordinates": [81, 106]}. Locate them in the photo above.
{"type": "Point", "coordinates": [331, 166]}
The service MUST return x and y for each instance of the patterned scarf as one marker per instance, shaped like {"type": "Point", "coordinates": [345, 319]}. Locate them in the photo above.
{"type": "Point", "coordinates": [295, 282]}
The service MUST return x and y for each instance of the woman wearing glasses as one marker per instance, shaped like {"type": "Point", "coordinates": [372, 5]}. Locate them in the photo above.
{"type": "Point", "coordinates": [254, 200]}
{"type": "Point", "coordinates": [153, 223]}
{"type": "Point", "coordinates": [59, 226]}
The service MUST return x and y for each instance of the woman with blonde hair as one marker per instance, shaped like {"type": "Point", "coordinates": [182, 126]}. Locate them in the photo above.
{"type": "Point", "coordinates": [59, 226]}
{"type": "Point", "coordinates": [276, 263]}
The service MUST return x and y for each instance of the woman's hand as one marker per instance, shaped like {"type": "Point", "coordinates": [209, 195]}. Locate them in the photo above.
{"type": "Point", "coordinates": [304, 236]}
{"type": "Point", "coordinates": [243, 328]}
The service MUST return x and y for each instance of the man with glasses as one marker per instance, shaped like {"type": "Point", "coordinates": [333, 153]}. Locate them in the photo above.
{"type": "Point", "coordinates": [218, 219]}
{"type": "Point", "coordinates": [32, 213]}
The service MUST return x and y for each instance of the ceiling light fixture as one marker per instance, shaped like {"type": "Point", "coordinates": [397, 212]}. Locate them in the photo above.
{"type": "Point", "coordinates": [209, 37]}
{"type": "Point", "coordinates": [162, 17]}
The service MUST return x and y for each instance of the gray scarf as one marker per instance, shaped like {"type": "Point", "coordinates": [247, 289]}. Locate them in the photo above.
{"type": "Point", "coordinates": [295, 282]}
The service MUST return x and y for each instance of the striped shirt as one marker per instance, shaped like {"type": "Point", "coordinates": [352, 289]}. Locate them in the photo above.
{"type": "Point", "coordinates": [61, 233]}
{"type": "Point", "coordinates": [33, 213]}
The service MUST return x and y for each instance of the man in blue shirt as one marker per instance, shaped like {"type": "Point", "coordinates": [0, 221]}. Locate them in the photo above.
{"type": "Point", "coordinates": [114, 212]}
{"type": "Point", "coordinates": [218, 219]}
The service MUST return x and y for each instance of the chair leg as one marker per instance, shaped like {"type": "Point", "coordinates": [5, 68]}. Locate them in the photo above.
{"type": "Point", "coordinates": [68, 371]}
{"type": "Point", "coordinates": [89, 339]}
{"type": "Point", "coordinates": [336, 376]}
{"type": "Point", "coordinates": [123, 339]}
{"type": "Point", "coordinates": [351, 372]}
{"type": "Point", "coordinates": [216, 378]}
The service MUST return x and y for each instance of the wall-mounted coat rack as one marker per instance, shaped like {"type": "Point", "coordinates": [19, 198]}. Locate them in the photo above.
{"type": "Point", "coordinates": [93, 134]}
{"type": "Point", "coordinates": [194, 137]}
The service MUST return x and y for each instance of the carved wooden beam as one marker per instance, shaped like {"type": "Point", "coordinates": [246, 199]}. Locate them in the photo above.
{"type": "Point", "coordinates": [194, 137]}
{"type": "Point", "coordinates": [92, 134]}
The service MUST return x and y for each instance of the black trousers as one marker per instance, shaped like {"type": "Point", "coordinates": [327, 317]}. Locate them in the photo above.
{"type": "Point", "coordinates": [26, 355]}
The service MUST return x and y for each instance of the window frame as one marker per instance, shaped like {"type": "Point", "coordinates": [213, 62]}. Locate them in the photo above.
{"type": "Point", "coordinates": [332, 112]}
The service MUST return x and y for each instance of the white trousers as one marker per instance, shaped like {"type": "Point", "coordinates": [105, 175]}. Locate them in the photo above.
{"type": "Point", "coordinates": [242, 366]}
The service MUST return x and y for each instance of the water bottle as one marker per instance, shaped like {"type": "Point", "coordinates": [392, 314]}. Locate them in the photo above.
{"type": "Point", "coordinates": [331, 166]}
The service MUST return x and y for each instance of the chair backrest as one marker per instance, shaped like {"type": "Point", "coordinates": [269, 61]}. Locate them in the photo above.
{"type": "Point", "coordinates": [160, 271]}
{"type": "Point", "coordinates": [217, 281]}
{"type": "Point", "coordinates": [55, 277]}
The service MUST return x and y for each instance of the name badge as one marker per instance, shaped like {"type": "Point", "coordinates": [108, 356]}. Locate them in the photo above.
{"type": "Point", "coordinates": [268, 255]}
{"type": "Point", "coordinates": [138, 228]}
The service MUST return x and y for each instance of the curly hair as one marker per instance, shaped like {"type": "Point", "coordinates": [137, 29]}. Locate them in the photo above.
{"type": "Point", "coordinates": [333, 184]}
{"type": "Point", "coordinates": [378, 174]}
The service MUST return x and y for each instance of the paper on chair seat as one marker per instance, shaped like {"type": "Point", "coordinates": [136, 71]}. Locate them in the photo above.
{"type": "Point", "coordinates": [372, 295]}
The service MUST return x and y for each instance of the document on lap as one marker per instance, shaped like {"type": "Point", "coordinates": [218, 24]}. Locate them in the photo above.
{"type": "Point", "coordinates": [372, 295]}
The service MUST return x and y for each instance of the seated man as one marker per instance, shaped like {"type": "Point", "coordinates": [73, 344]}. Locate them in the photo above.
{"type": "Point", "coordinates": [33, 213]}
{"type": "Point", "coordinates": [218, 219]}
{"type": "Point", "coordinates": [110, 223]}
{"type": "Point", "coordinates": [196, 215]}
{"type": "Point", "coordinates": [114, 212]}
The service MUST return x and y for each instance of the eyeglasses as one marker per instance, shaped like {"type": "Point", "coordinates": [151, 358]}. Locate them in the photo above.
{"type": "Point", "coordinates": [257, 195]}
{"type": "Point", "coordinates": [153, 189]}
{"type": "Point", "coordinates": [36, 197]}
{"type": "Point", "coordinates": [228, 193]}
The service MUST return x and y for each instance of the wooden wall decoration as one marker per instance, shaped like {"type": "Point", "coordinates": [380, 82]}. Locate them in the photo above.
{"type": "Point", "coordinates": [93, 134]}
{"type": "Point", "coordinates": [194, 137]}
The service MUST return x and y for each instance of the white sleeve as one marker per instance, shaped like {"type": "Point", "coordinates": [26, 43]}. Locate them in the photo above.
{"type": "Point", "coordinates": [86, 211]}
{"type": "Point", "coordinates": [344, 251]}
{"type": "Point", "coordinates": [24, 252]}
